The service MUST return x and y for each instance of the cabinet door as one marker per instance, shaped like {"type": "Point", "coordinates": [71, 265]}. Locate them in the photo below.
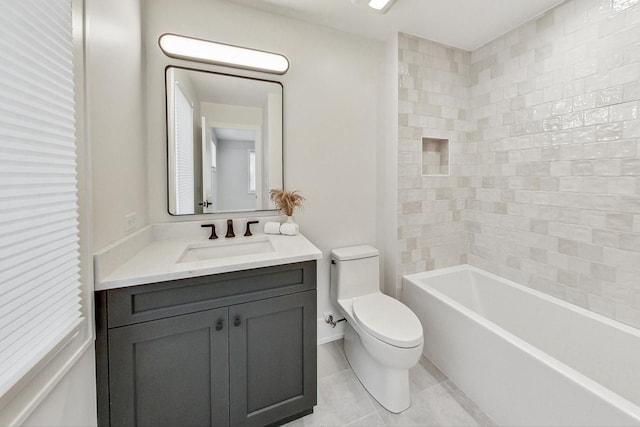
{"type": "Point", "coordinates": [170, 372]}
{"type": "Point", "coordinates": [272, 358]}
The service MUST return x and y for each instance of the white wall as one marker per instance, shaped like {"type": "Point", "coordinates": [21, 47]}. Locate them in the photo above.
{"type": "Point", "coordinates": [388, 170]}
{"type": "Point", "coordinates": [331, 126]}
{"type": "Point", "coordinates": [72, 402]}
{"type": "Point", "coordinates": [115, 111]}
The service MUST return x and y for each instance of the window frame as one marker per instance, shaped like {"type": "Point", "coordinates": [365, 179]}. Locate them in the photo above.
{"type": "Point", "coordinates": [21, 400]}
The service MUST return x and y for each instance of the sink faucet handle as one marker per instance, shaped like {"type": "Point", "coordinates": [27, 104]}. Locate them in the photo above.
{"type": "Point", "coordinates": [248, 232]}
{"type": "Point", "coordinates": [230, 229]}
{"type": "Point", "coordinates": [213, 230]}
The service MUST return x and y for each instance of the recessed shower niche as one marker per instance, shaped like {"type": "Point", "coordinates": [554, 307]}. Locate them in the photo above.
{"type": "Point", "coordinates": [435, 156]}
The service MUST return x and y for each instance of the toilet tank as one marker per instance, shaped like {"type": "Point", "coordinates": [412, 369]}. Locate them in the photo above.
{"type": "Point", "coordinates": [355, 271]}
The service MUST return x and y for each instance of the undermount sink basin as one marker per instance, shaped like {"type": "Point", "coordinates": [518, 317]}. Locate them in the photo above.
{"type": "Point", "coordinates": [225, 249]}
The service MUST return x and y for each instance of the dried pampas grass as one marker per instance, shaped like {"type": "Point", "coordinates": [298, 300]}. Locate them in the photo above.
{"type": "Point", "coordinates": [286, 201]}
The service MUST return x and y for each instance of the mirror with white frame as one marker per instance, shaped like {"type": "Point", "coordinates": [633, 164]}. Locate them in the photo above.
{"type": "Point", "coordinates": [224, 136]}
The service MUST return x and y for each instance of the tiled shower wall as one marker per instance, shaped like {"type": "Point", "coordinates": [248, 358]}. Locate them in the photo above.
{"type": "Point", "coordinates": [550, 161]}
{"type": "Point", "coordinates": [555, 161]}
{"type": "Point", "coordinates": [433, 102]}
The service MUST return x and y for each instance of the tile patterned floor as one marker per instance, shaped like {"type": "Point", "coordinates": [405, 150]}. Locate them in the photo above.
{"type": "Point", "coordinates": [343, 401]}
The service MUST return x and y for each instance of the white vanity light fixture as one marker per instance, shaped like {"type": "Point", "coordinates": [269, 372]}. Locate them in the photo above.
{"type": "Point", "coordinates": [190, 48]}
{"type": "Point", "coordinates": [381, 6]}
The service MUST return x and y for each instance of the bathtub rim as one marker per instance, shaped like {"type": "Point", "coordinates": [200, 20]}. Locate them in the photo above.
{"type": "Point", "coordinates": [582, 380]}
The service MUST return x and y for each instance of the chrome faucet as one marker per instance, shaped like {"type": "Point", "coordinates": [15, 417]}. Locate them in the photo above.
{"type": "Point", "coordinates": [230, 229]}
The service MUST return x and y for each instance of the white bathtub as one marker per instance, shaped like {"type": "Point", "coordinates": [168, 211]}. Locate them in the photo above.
{"type": "Point", "coordinates": [527, 359]}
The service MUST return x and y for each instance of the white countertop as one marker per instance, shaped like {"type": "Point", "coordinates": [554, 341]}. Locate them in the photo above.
{"type": "Point", "coordinates": [142, 258]}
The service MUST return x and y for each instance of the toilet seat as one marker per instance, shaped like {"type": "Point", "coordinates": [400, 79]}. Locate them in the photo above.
{"type": "Point", "coordinates": [388, 320]}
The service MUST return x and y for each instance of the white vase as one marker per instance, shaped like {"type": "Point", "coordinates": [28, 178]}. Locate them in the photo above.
{"type": "Point", "coordinates": [289, 228]}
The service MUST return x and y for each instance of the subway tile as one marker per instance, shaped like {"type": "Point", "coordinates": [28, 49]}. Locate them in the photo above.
{"type": "Point", "coordinates": [603, 202]}
{"type": "Point", "coordinates": [586, 68]}
{"type": "Point", "coordinates": [578, 297]}
{"type": "Point", "coordinates": [620, 5]}
{"type": "Point", "coordinates": [631, 91]}
{"type": "Point", "coordinates": [597, 82]}
{"type": "Point", "coordinates": [590, 284]}
{"type": "Point", "coordinates": [592, 218]}
{"type": "Point", "coordinates": [629, 277]}
{"type": "Point", "coordinates": [624, 148]}
{"type": "Point", "coordinates": [552, 93]}
{"type": "Point", "coordinates": [573, 88]}
{"type": "Point", "coordinates": [621, 258]}
{"type": "Point", "coordinates": [607, 167]}
{"type": "Point", "coordinates": [561, 106]}
{"type": "Point", "coordinates": [573, 120]}
{"type": "Point", "coordinates": [552, 124]}
{"type": "Point", "coordinates": [560, 168]}
{"type": "Point", "coordinates": [630, 242]}
{"type": "Point", "coordinates": [549, 184]}
{"type": "Point", "coordinates": [631, 129]}
{"type": "Point", "coordinates": [590, 252]}
{"type": "Point", "coordinates": [605, 238]}
{"type": "Point", "coordinates": [568, 278]}
{"type": "Point", "coordinates": [584, 102]}
{"type": "Point", "coordinates": [609, 96]}
{"type": "Point", "coordinates": [561, 138]}
{"type": "Point", "coordinates": [582, 167]}
{"type": "Point", "coordinates": [568, 247]}
{"type": "Point", "coordinates": [609, 131]}
{"type": "Point", "coordinates": [619, 221]}
{"type": "Point", "coordinates": [621, 185]}
{"type": "Point", "coordinates": [630, 167]}
{"type": "Point", "coordinates": [626, 74]}
{"type": "Point", "coordinates": [629, 204]}
{"type": "Point", "coordinates": [626, 111]}
{"type": "Point", "coordinates": [616, 294]}
{"type": "Point", "coordinates": [596, 116]}
{"type": "Point", "coordinates": [596, 150]}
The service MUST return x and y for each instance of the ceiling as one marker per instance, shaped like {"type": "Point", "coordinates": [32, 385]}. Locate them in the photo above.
{"type": "Point", "coordinates": [465, 24]}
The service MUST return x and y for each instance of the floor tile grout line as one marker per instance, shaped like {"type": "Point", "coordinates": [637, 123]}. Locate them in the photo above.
{"type": "Point", "coordinates": [460, 399]}
{"type": "Point", "coordinates": [375, 412]}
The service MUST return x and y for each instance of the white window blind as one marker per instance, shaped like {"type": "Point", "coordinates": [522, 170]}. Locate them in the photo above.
{"type": "Point", "coordinates": [39, 251]}
{"type": "Point", "coordinates": [185, 188]}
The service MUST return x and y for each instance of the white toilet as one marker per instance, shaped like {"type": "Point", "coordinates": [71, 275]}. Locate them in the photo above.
{"type": "Point", "coordinates": [383, 337]}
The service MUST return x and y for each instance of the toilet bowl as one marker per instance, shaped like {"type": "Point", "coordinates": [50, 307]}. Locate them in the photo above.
{"type": "Point", "coordinates": [383, 337]}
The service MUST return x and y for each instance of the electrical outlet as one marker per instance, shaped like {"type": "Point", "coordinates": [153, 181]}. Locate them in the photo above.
{"type": "Point", "coordinates": [130, 221]}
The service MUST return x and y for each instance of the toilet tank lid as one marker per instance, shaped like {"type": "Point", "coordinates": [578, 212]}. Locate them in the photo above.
{"type": "Point", "coordinates": [354, 252]}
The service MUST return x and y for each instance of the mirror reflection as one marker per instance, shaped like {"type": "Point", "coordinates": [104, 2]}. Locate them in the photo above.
{"type": "Point", "coordinates": [224, 136]}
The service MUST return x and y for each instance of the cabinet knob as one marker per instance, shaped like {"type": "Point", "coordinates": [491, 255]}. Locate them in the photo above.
{"type": "Point", "coordinates": [219, 325]}
{"type": "Point", "coordinates": [237, 322]}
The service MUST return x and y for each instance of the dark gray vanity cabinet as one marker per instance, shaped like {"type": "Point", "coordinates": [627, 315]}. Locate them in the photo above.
{"type": "Point", "coordinates": [170, 372]}
{"type": "Point", "coordinates": [233, 349]}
